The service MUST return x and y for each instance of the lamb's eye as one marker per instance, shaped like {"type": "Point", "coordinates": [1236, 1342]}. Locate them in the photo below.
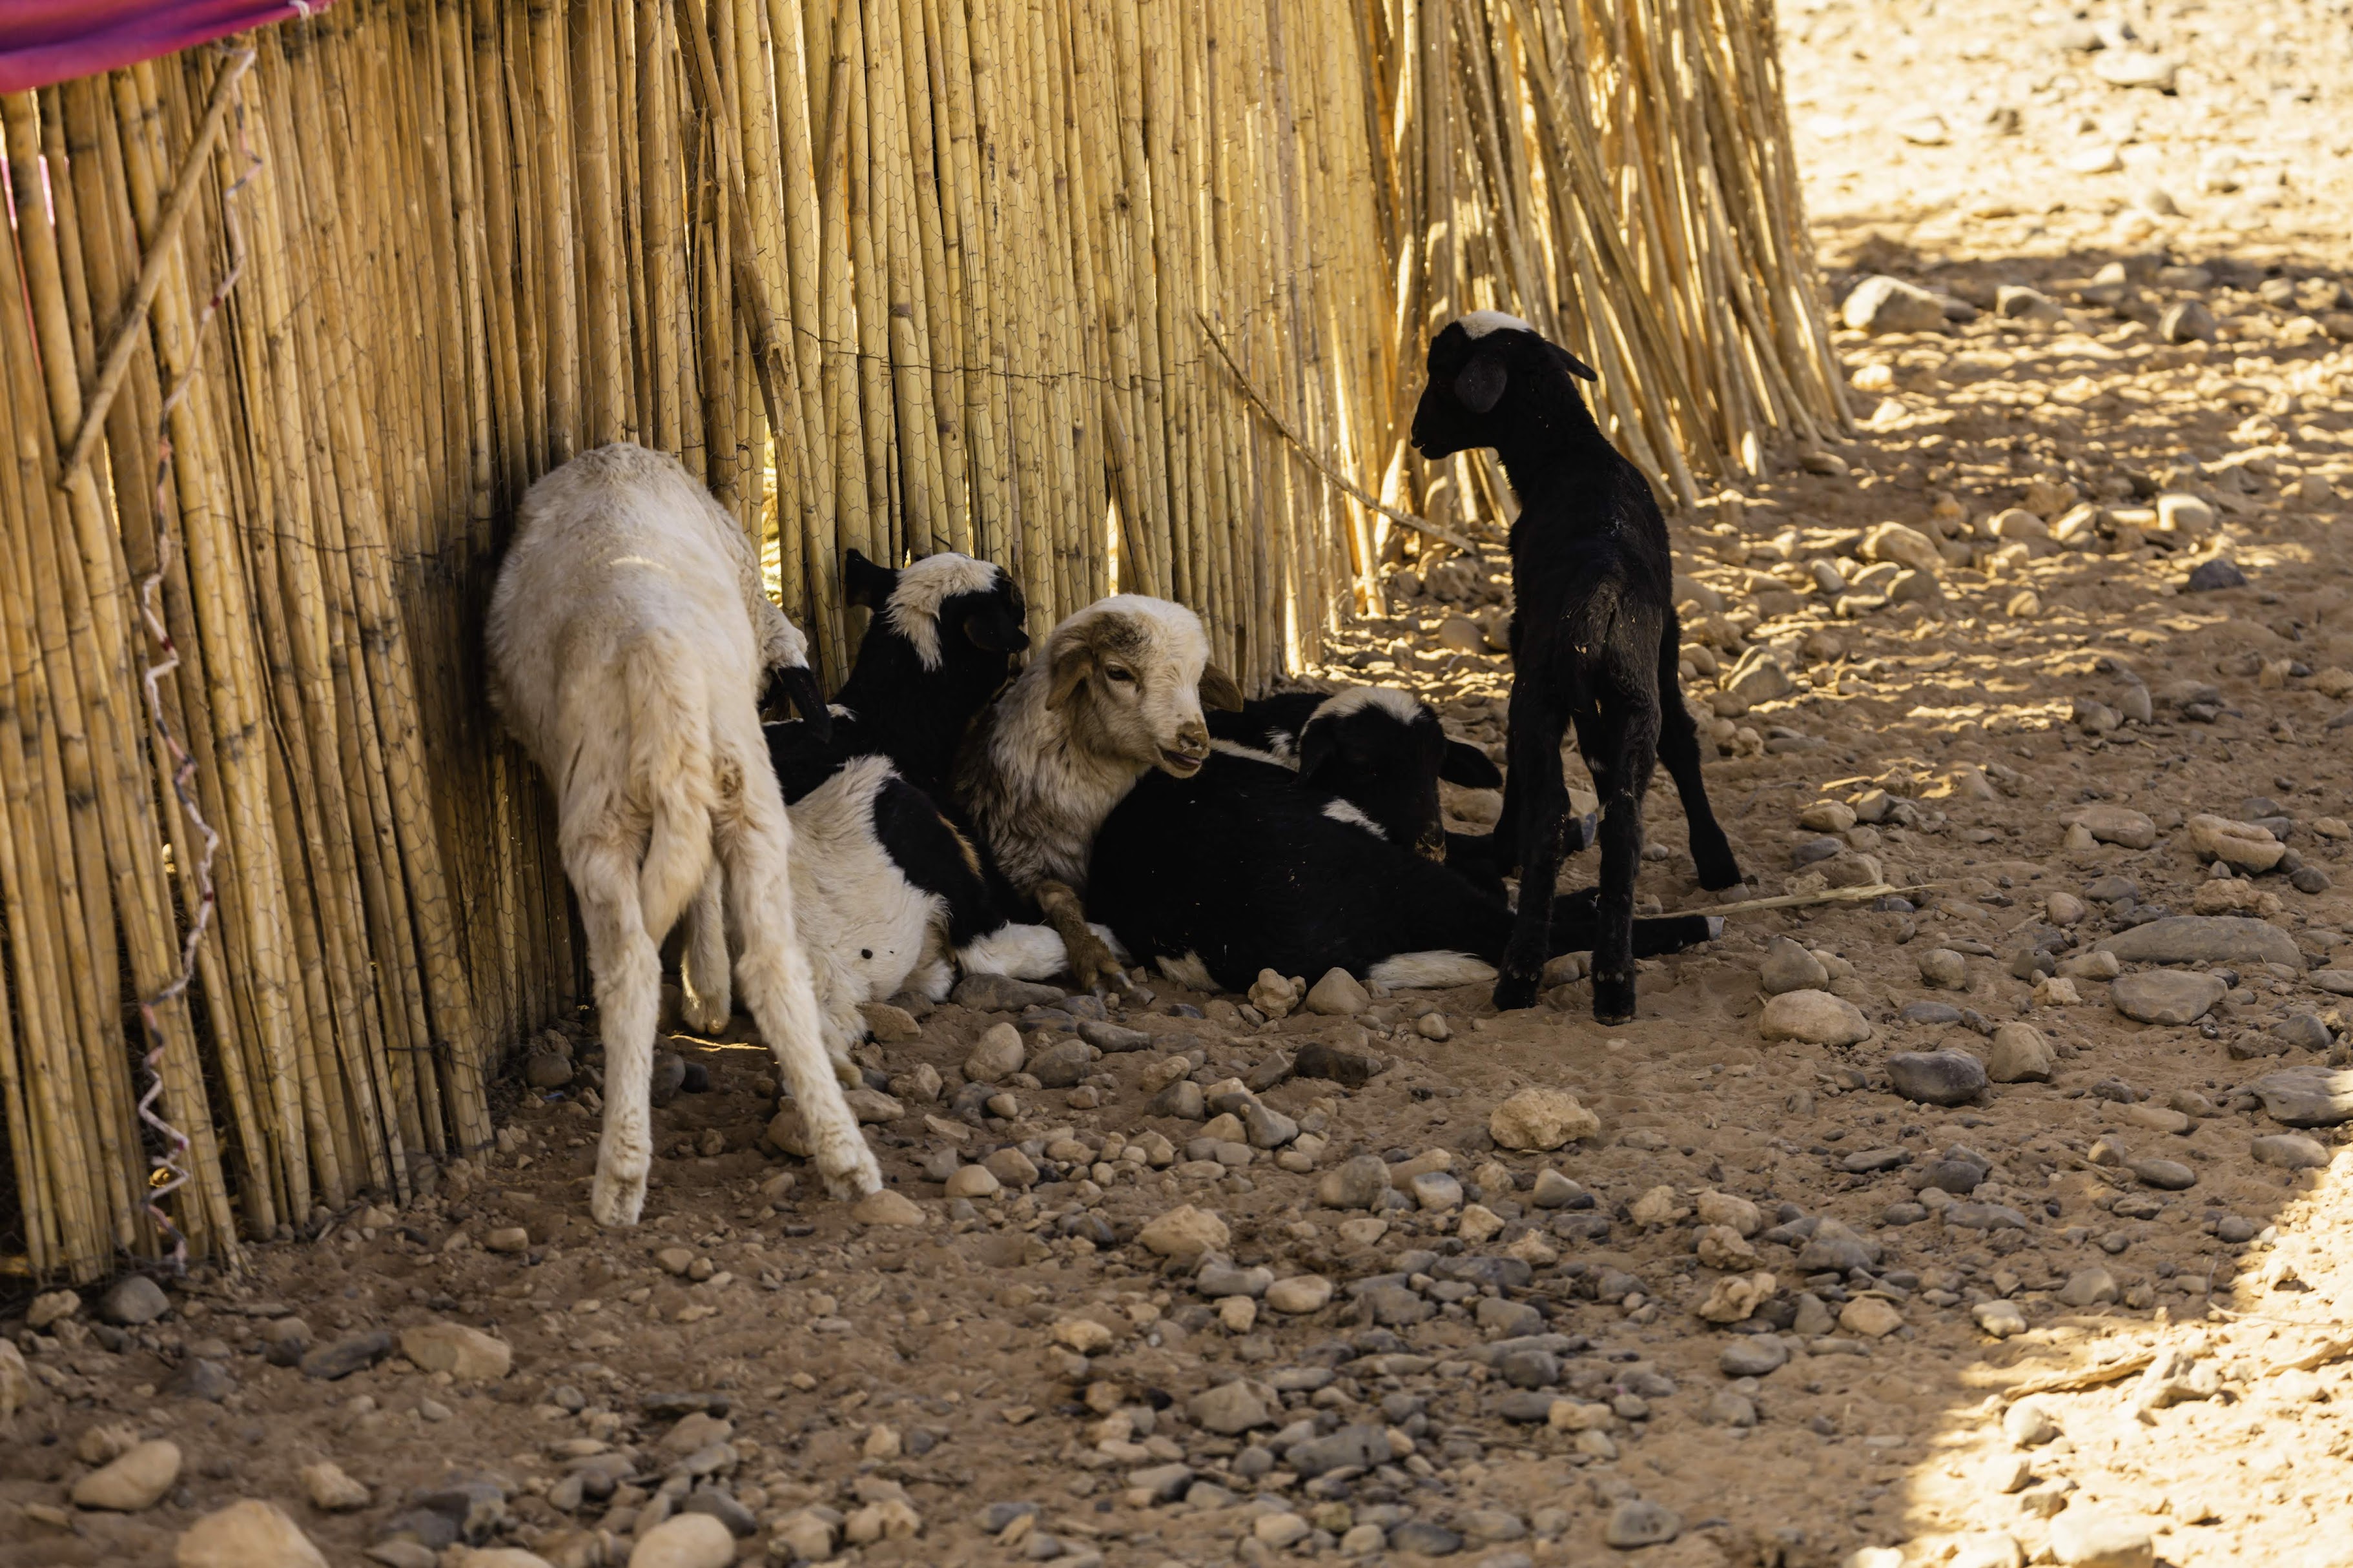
{"type": "Point", "coordinates": [1124, 676]}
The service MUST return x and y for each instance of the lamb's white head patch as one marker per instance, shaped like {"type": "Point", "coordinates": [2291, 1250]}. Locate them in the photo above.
{"type": "Point", "coordinates": [1479, 323]}
{"type": "Point", "coordinates": [913, 610]}
{"type": "Point", "coordinates": [1402, 706]}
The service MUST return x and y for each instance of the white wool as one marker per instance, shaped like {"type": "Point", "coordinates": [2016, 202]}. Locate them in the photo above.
{"type": "Point", "coordinates": [913, 610]}
{"type": "Point", "coordinates": [1479, 323]}
{"type": "Point", "coordinates": [1189, 970]}
{"type": "Point", "coordinates": [1023, 951]}
{"type": "Point", "coordinates": [628, 641]}
{"type": "Point", "coordinates": [1252, 754]}
{"type": "Point", "coordinates": [1431, 970]}
{"type": "Point", "coordinates": [1037, 798]}
{"type": "Point", "coordinates": [1345, 811]}
{"type": "Point", "coordinates": [1403, 706]}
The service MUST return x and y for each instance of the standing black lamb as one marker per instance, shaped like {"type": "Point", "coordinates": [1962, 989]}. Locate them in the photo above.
{"type": "Point", "coordinates": [1594, 638]}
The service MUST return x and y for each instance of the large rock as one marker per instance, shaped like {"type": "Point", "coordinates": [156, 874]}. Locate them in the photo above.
{"type": "Point", "coordinates": [2086, 1538]}
{"type": "Point", "coordinates": [1788, 966]}
{"type": "Point", "coordinates": [1883, 304]}
{"type": "Point", "coordinates": [2205, 938]}
{"type": "Point", "coordinates": [136, 1480]}
{"type": "Point", "coordinates": [133, 1301]}
{"type": "Point", "coordinates": [1904, 545]}
{"type": "Point", "coordinates": [1339, 995]}
{"type": "Point", "coordinates": [1186, 1232]}
{"type": "Point", "coordinates": [1936, 1078]}
{"type": "Point", "coordinates": [1231, 1408]}
{"type": "Point", "coordinates": [2021, 1055]}
{"type": "Point", "coordinates": [1361, 1181]}
{"type": "Point", "coordinates": [2289, 1151]}
{"type": "Point", "coordinates": [1001, 993]}
{"type": "Point", "coordinates": [463, 1353]}
{"type": "Point", "coordinates": [352, 1353]}
{"type": "Point", "coordinates": [2119, 825]}
{"type": "Point", "coordinates": [1539, 1121]}
{"type": "Point", "coordinates": [2241, 845]}
{"type": "Point", "coordinates": [246, 1535]}
{"type": "Point", "coordinates": [2166, 996]}
{"type": "Point", "coordinates": [996, 1055]}
{"type": "Point", "coordinates": [685, 1540]}
{"type": "Point", "coordinates": [2308, 1096]}
{"type": "Point", "coordinates": [1816, 1017]}
{"type": "Point", "coordinates": [1341, 1065]}
{"type": "Point", "coordinates": [16, 1381]}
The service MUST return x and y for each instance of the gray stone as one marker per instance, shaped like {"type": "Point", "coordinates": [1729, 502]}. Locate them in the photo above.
{"type": "Point", "coordinates": [1883, 304]}
{"type": "Point", "coordinates": [1731, 1409]}
{"type": "Point", "coordinates": [1422, 1538]}
{"type": "Point", "coordinates": [2021, 1055]}
{"type": "Point", "coordinates": [2164, 996]}
{"type": "Point", "coordinates": [2089, 1286]}
{"type": "Point", "coordinates": [199, 1378]}
{"type": "Point", "coordinates": [1360, 1445]}
{"type": "Point", "coordinates": [1229, 1409]}
{"type": "Point", "coordinates": [2213, 574]}
{"type": "Point", "coordinates": [1001, 993]}
{"type": "Point", "coordinates": [2167, 1176]}
{"type": "Point", "coordinates": [1268, 1127]}
{"type": "Point", "coordinates": [2027, 1426]}
{"type": "Point", "coordinates": [1984, 1217]}
{"type": "Point", "coordinates": [1160, 1483]}
{"type": "Point", "coordinates": [134, 1300]}
{"type": "Point", "coordinates": [1945, 969]}
{"type": "Point", "coordinates": [2289, 1151]}
{"type": "Point", "coordinates": [1182, 1100]}
{"type": "Point", "coordinates": [1063, 1064]}
{"type": "Point", "coordinates": [1833, 1245]}
{"type": "Point", "coordinates": [352, 1354]}
{"type": "Point", "coordinates": [1554, 1190]}
{"type": "Point", "coordinates": [1753, 1355]}
{"type": "Point", "coordinates": [1361, 1181]}
{"type": "Point", "coordinates": [1936, 1078]}
{"type": "Point", "coordinates": [1112, 1039]}
{"type": "Point", "coordinates": [1789, 966]}
{"type": "Point", "coordinates": [2210, 939]}
{"type": "Point", "coordinates": [1636, 1522]}
{"type": "Point", "coordinates": [2306, 1095]}
{"type": "Point", "coordinates": [1339, 995]}
{"type": "Point", "coordinates": [1930, 1013]}
{"type": "Point", "coordinates": [1343, 1065]}
{"type": "Point", "coordinates": [1218, 1279]}
{"type": "Point", "coordinates": [740, 1522]}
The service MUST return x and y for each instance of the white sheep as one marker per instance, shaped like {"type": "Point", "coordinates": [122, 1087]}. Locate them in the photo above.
{"type": "Point", "coordinates": [628, 641]}
{"type": "Point", "coordinates": [1118, 693]}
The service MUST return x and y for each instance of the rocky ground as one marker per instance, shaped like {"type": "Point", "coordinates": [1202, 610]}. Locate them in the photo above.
{"type": "Point", "coordinates": [2004, 1217]}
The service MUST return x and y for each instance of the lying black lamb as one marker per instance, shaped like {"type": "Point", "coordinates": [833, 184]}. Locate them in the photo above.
{"type": "Point", "coordinates": [1247, 866]}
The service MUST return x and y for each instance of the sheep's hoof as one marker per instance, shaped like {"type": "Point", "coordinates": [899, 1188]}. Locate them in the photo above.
{"type": "Point", "coordinates": [1584, 832]}
{"type": "Point", "coordinates": [1513, 992]}
{"type": "Point", "coordinates": [705, 1019]}
{"type": "Point", "coordinates": [862, 1177]}
{"type": "Point", "coordinates": [1718, 871]}
{"type": "Point", "coordinates": [847, 1074]}
{"type": "Point", "coordinates": [616, 1200]}
{"type": "Point", "coordinates": [1613, 1001]}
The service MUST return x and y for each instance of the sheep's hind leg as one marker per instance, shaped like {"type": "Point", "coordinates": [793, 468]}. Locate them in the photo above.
{"type": "Point", "coordinates": [703, 961]}
{"type": "Point", "coordinates": [1542, 825]}
{"type": "Point", "coordinates": [777, 988]}
{"type": "Point", "coordinates": [627, 970]}
{"type": "Point", "coordinates": [1679, 750]}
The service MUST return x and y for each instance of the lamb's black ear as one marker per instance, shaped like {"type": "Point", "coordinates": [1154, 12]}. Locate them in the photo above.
{"type": "Point", "coordinates": [864, 583]}
{"type": "Point", "coordinates": [1314, 747]}
{"type": "Point", "coordinates": [995, 627]}
{"type": "Point", "coordinates": [797, 684]}
{"type": "Point", "coordinates": [1466, 766]}
{"type": "Point", "coordinates": [1478, 385]}
{"type": "Point", "coordinates": [1219, 691]}
{"type": "Point", "coordinates": [1571, 363]}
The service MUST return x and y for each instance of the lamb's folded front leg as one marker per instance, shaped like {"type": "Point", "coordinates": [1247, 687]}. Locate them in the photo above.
{"type": "Point", "coordinates": [1093, 963]}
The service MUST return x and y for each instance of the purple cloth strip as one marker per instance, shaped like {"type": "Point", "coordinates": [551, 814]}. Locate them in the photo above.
{"type": "Point", "coordinates": [45, 41]}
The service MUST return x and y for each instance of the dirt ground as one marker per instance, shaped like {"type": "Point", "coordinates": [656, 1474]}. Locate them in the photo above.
{"type": "Point", "coordinates": [2100, 1318]}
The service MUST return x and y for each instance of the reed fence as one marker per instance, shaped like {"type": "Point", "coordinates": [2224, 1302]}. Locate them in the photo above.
{"type": "Point", "coordinates": [1122, 293]}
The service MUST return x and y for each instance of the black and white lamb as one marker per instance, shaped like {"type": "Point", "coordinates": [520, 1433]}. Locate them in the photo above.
{"type": "Point", "coordinates": [629, 640]}
{"type": "Point", "coordinates": [1377, 751]}
{"type": "Point", "coordinates": [1245, 866]}
{"type": "Point", "coordinates": [894, 892]}
{"type": "Point", "coordinates": [1594, 638]}
{"type": "Point", "coordinates": [1118, 694]}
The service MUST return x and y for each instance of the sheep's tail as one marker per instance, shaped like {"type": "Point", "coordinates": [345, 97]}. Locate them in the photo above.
{"type": "Point", "coordinates": [670, 770]}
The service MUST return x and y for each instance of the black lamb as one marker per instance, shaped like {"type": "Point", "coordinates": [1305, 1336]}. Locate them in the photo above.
{"type": "Point", "coordinates": [1594, 638]}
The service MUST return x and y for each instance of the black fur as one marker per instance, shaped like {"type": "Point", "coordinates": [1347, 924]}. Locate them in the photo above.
{"type": "Point", "coordinates": [1594, 640]}
{"type": "Point", "coordinates": [1239, 865]}
{"type": "Point", "coordinates": [1385, 767]}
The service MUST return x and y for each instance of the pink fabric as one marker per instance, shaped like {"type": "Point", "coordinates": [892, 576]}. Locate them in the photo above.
{"type": "Point", "coordinates": [42, 41]}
